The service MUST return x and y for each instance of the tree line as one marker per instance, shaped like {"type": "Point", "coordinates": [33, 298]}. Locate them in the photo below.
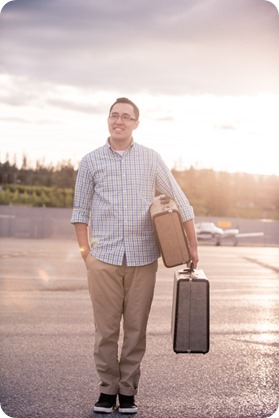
{"type": "Point", "coordinates": [211, 193]}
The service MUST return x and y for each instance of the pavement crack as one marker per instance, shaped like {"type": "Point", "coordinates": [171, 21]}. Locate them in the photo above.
{"type": "Point", "coordinates": [263, 264]}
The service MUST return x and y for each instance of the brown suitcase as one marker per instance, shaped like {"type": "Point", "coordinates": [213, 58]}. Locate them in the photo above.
{"type": "Point", "coordinates": [170, 232]}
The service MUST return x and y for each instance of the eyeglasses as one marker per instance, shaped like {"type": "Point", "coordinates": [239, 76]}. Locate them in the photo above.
{"type": "Point", "coordinates": [125, 117]}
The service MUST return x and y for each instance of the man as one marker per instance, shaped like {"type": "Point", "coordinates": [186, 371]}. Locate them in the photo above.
{"type": "Point", "coordinates": [115, 187]}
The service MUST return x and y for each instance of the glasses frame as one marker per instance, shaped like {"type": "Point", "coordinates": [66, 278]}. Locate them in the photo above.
{"type": "Point", "coordinates": [125, 117]}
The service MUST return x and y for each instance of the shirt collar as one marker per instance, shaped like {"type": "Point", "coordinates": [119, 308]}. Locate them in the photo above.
{"type": "Point", "coordinates": [130, 146]}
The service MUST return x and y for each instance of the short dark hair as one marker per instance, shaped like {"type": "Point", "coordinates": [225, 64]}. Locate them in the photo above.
{"type": "Point", "coordinates": [128, 101]}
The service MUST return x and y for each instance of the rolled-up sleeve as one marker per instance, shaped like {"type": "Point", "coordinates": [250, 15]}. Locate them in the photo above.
{"type": "Point", "coordinates": [167, 184]}
{"type": "Point", "coordinates": [84, 190]}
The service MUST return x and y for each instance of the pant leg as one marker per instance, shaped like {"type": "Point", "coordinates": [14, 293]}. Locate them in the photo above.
{"type": "Point", "coordinates": [106, 290]}
{"type": "Point", "coordinates": [139, 283]}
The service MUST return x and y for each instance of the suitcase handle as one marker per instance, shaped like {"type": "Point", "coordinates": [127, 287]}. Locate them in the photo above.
{"type": "Point", "coordinates": [190, 271]}
{"type": "Point", "coordinates": [190, 268]}
{"type": "Point", "coordinates": [165, 202]}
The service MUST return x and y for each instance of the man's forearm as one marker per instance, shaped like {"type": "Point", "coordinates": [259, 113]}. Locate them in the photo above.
{"type": "Point", "coordinates": [82, 238]}
{"type": "Point", "coordinates": [190, 229]}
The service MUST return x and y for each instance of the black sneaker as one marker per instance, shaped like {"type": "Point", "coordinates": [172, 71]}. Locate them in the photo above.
{"type": "Point", "coordinates": [105, 403]}
{"type": "Point", "coordinates": [127, 405]}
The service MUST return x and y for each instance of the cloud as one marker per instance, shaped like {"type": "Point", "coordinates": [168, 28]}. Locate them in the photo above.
{"type": "Point", "coordinates": [226, 127]}
{"type": "Point", "coordinates": [163, 46]}
{"type": "Point", "coordinates": [77, 107]}
{"type": "Point", "coordinates": [13, 120]}
{"type": "Point", "coordinates": [18, 120]}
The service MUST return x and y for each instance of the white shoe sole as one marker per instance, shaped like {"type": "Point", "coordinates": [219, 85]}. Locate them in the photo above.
{"type": "Point", "coordinates": [128, 410]}
{"type": "Point", "coordinates": [102, 409]}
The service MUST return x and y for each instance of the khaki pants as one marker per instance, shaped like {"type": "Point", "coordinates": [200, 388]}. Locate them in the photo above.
{"type": "Point", "coordinates": [116, 292]}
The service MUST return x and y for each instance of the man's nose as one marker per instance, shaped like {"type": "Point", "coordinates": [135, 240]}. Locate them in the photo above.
{"type": "Point", "coordinates": [117, 120]}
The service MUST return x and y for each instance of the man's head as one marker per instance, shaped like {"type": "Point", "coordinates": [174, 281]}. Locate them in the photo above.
{"type": "Point", "coordinates": [128, 101]}
{"type": "Point", "coordinates": [122, 120]}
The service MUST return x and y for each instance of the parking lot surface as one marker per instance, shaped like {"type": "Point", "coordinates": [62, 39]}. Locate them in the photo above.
{"type": "Point", "coordinates": [47, 336]}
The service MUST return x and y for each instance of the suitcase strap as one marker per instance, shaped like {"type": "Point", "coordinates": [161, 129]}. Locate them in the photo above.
{"type": "Point", "coordinates": [188, 339]}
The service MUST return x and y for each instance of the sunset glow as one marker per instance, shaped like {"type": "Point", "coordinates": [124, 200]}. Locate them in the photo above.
{"type": "Point", "coordinates": [204, 75]}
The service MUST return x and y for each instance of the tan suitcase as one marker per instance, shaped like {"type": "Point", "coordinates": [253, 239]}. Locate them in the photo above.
{"type": "Point", "coordinates": [170, 232]}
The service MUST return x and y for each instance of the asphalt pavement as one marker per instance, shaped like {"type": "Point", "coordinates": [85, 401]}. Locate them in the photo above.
{"type": "Point", "coordinates": [47, 336]}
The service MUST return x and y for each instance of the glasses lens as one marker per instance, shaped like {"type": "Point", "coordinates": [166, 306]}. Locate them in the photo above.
{"type": "Point", "coordinates": [126, 117]}
{"type": "Point", "coordinates": [114, 116]}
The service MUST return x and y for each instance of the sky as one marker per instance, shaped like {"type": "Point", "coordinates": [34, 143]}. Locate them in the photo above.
{"type": "Point", "coordinates": [204, 73]}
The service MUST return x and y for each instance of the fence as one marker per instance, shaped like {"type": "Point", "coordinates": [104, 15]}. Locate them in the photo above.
{"type": "Point", "coordinates": [33, 222]}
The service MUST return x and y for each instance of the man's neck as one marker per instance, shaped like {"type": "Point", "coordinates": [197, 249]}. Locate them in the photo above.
{"type": "Point", "coordinates": [120, 146]}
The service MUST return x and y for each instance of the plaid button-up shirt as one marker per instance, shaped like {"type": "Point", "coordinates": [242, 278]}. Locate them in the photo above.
{"type": "Point", "coordinates": [113, 194]}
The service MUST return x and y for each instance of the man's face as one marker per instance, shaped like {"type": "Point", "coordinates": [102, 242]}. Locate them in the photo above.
{"type": "Point", "coordinates": [121, 129]}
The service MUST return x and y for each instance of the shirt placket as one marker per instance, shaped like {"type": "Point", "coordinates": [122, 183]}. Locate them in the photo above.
{"type": "Point", "coordinates": [125, 199]}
